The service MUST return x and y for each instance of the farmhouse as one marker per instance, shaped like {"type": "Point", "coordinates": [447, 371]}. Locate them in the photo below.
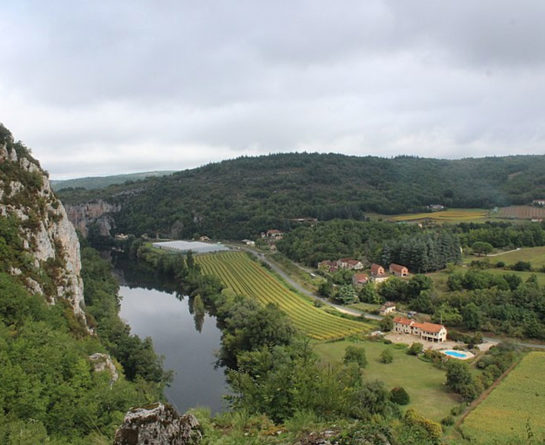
{"type": "Point", "coordinates": [359, 279]}
{"type": "Point", "coordinates": [204, 238]}
{"type": "Point", "coordinates": [328, 266]}
{"type": "Point", "coordinates": [349, 263]}
{"type": "Point", "coordinates": [377, 270]}
{"type": "Point", "coordinates": [398, 270]}
{"type": "Point", "coordinates": [539, 202]}
{"type": "Point", "coordinates": [387, 308]}
{"type": "Point", "coordinates": [436, 207]}
{"type": "Point", "coordinates": [249, 242]}
{"type": "Point", "coordinates": [274, 234]}
{"type": "Point", "coordinates": [426, 331]}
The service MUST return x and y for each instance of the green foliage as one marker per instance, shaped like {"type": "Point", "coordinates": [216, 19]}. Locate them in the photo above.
{"type": "Point", "coordinates": [243, 197]}
{"type": "Point", "coordinates": [415, 349]}
{"type": "Point", "coordinates": [482, 248]}
{"type": "Point", "coordinates": [432, 430]}
{"type": "Point", "coordinates": [399, 396]}
{"type": "Point", "coordinates": [386, 324]}
{"type": "Point", "coordinates": [355, 354]}
{"type": "Point", "coordinates": [386, 356]}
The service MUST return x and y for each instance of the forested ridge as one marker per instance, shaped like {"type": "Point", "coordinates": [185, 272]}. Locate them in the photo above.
{"type": "Point", "coordinates": [242, 197]}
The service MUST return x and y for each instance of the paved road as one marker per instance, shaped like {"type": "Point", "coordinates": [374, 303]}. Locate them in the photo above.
{"type": "Point", "coordinates": [305, 291]}
{"type": "Point", "coordinates": [349, 311]}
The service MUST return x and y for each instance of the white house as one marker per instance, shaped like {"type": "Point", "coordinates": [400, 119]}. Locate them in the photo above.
{"type": "Point", "coordinates": [426, 331]}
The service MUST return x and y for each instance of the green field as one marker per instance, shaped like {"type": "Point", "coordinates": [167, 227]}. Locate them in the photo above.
{"type": "Point", "coordinates": [451, 215]}
{"type": "Point", "coordinates": [423, 382]}
{"type": "Point", "coordinates": [518, 402]}
{"type": "Point", "coordinates": [534, 255]}
{"type": "Point", "coordinates": [246, 277]}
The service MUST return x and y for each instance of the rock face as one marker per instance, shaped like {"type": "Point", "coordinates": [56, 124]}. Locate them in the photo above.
{"type": "Point", "coordinates": [82, 216]}
{"type": "Point", "coordinates": [47, 235]}
{"type": "Point", "coordinates": [103, 362]}
{"type": "Point", "coordinates": [157, 424]}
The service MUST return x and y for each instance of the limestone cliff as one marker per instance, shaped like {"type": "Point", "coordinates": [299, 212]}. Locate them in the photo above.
{"type": "Point", "coordinates": [98, 212]}
{"type": "Point", "coordinates": [49, 262]}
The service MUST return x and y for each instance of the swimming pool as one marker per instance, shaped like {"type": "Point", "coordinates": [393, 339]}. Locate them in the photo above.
{"type": "Point", "coordinates": [462, 355]}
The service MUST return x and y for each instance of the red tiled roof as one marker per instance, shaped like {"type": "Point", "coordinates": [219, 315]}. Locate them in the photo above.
{"type": "Point", "coordinates": [375, 268]}
{"type": "Point", "coordinates": [429, 327]}
{"type": "Point", "coordinates": [402, 320]}
{"type": "Point", "coordinates": [397, 267]}
{"type": "Point", "coordinates": [425, 326]}
{"type": "Point", "coordinates": [360, 277]}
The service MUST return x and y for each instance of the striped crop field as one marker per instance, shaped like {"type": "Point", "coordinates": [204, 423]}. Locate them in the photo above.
{"type": "Point", "coordinates": [450, 215]}
{"type": "Point", "coordinates": [516, 406]}
{"type": "Point", "coordinates": [246, 277]}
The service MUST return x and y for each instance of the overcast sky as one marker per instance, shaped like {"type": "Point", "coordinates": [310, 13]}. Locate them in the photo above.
{"type": "Point", "coordinates": [97, 88]}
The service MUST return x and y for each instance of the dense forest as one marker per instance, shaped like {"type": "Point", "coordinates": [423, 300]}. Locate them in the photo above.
{"type": "Point", "coordinates": [242, 197]}
{"type": "Point", "coordinates": [420, 249]}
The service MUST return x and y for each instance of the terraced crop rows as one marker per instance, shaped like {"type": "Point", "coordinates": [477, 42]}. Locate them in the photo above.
{"type": "Point", "coordinates": [246, 277]}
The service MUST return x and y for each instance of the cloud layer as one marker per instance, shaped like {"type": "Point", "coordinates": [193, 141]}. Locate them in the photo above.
{"type": "Point", "coordinates": [98, 88]}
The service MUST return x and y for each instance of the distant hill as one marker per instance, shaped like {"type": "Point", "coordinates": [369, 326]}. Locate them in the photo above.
{"type": "Point", "coordinates": [99, 182]}
{"type": "Point", "coordinates": [240, 198]}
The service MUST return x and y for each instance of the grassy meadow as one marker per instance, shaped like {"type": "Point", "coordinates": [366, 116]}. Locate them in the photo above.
{"type": "Point", "coordinates": [423, 382]}
{"type": "Point", "coordinates": [518, 403]}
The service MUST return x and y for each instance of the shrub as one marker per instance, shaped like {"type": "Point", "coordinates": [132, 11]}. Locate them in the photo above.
{"type": "Point", "coordinates": [386, 356]}
{"type": "Point", "coordinates": [447, 421]}
{"type": "Point", "coordinates": [355, 354]}
{"type": "Point", "coordinates": [521, 265]}
{"type": "Point", "coordinates": [432, 428]}
{"type": "Point", "coordinates": [415, 349]}
{"type": "Point", "coordinates": [386, 324]}
{"type": "Point", "coordinates": [500, 264]}
{"type": "Point", "coordinates": [399, 396]}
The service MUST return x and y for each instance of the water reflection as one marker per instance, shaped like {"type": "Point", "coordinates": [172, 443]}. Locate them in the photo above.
{"type": "Point", "coordinates": [181, 330]}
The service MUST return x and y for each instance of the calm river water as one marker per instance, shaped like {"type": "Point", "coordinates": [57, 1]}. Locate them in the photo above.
{"type": "Point", "coordinates": [187, 341]}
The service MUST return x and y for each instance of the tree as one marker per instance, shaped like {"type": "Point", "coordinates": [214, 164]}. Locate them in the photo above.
{"type": "Point", "coordinates": [386, 324]}
{"type": "Point", "coordinates": [471, 316]}
{"type": "Point", "coordinates": [346, 294]}
{"type": "Point", "coordinates": [386, 356]}
{"type": "Point", "coordinates": [399, 396]}
{"type": "Point", "coordinates": [355, 354]}
{"type": "Point", "coordinates": [482, 248]}
{"type": "Point", "coordinates": [415, 349]}
{"type": "Point", "coordinates": [459, 379]}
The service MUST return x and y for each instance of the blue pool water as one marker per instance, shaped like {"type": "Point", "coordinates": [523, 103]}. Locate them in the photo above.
{"type": "Point", "coordinates": [455, 354]}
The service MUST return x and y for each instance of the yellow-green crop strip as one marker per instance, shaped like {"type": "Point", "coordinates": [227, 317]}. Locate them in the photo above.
{"type": "Point", "coordinates": [514, 407]}
{"type": "Point", "coordinates": [246, 277]}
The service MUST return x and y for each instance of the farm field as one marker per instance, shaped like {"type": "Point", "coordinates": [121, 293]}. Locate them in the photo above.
{"type": "Point", "coordinates": [520, 212]}
{"type": "Point", "coordinates": [450, 215]}
{"type": "Point", "coordinates": [423, 382]}
{"type": "Point", "coordinates": [534, 255]}
{"type": "Point", "coordinates": [246, 277]}
{"type": "Point", "coordinates": [518, 401]}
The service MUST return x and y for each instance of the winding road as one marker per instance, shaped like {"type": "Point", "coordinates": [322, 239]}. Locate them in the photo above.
{"type": "Point", "coordinates": [305, 291]}
{"type": "Point", "coordinates": [260, 256]}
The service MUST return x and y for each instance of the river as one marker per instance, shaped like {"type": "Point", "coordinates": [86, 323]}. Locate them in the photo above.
{"type": "Point", "coordinates": [187, 339]}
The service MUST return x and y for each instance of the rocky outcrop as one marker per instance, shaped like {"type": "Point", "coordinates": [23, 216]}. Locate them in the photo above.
{"type": "Point", "coordinates": [98, 212]}
{"type": "Point", "coordinates": [46, 233]}
{"type": "Point", "coordinates": [157, 424]}
{"type": "Point", "coordinates": [103, 362]}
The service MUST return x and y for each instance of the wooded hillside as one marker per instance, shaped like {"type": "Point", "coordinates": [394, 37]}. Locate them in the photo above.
{"type": "Point", "coordinates": [241, 197]}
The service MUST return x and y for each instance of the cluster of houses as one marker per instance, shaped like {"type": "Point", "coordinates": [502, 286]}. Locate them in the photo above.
{"type": "Point", "coordinates": [426, 331]}
{"type": "Point", "coordinates": [377, 272]}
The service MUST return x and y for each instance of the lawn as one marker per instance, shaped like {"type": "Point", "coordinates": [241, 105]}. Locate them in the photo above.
{"type": "Point", "coordinates": [423, 382]}
{"type": "Point", "coordinates": [516, 404]}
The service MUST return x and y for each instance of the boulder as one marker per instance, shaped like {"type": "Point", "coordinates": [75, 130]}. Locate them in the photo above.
{"type": "Point", "coordinates": [158, 424]}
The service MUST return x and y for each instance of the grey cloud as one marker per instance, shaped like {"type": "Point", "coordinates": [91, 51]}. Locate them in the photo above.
{"type": "Point", "coordinates": [378, 77]}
